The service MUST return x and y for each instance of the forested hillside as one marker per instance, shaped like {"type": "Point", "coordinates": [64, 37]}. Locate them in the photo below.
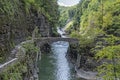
{"type": "Point", "coordinates": [19, 18]}
{"type": "Point", "coordinates": [96, 23]}
{"type": "Point", "coordinates": [29, 27]}
{"type": "Point", "coordinates": [66, 15]}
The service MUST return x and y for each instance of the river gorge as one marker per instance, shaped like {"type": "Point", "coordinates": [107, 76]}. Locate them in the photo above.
{"type": "Point", "coordinates": [55, 66]}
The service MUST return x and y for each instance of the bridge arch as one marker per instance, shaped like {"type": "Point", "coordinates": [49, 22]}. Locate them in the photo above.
{"type": "Point", "coordinates": [50, 40]}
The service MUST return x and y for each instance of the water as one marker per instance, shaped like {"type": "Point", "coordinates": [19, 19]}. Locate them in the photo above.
{"type": "Point", "coordinates": [61, 32]}
{"type": "Point", "coordinates": [55, 66]}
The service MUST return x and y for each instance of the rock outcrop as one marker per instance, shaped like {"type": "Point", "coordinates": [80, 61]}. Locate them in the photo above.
{"type": "Point", "coordinates": [19, 29]}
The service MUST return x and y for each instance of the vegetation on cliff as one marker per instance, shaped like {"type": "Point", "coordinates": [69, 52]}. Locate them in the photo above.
{"type": "Point", "coordinates": [25, 66]}
{"type": "Point", "coordinates": [66, 14]}
{"type": "Point", "coordinates": [96, 23]}
{"type": "Point", "coordinates": [18, 19]}
{"type": "Point", "coordinates": [21, 20]}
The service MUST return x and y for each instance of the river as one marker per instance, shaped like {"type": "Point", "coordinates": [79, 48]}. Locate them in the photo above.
{"type": "Point", "coordinates": [54, 65]}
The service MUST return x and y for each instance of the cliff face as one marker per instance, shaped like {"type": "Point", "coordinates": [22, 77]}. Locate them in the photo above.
{"type": "Point", "coordinates": [43, 26]}
{"type": "Point", "coordinates": [18, 25]}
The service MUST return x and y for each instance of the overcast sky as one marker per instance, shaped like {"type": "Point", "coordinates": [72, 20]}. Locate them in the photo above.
{"type": "Point", "coordinates": [68, 2]}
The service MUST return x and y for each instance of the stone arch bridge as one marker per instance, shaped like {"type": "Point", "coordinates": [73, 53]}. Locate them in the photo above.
{"type": "Point", "coordinates": [50, 40]}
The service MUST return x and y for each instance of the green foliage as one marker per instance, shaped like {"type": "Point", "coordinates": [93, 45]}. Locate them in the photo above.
{"type": "Point", "coordinates": [96, 13]}
{"type": "Point", "coordinates": [63, 15]}
{"type": "Point", "coordinates": [66, 14]}
{"type": "Point", "coordinates": [96, 17]}
{"type": "Point", "coordinates": [30, 48]}
{"type": "Point", "coordinates": [75, 34]}
{"type": "Point", "coordinates": [110, 69]}
{"type": "Point", "coordinates": [112, 39]}
{"type": "Point", "coordinates": [109, 52]}
{"type": "Point", "coordinates": [14, 72]}
{"type": "Point", "coordinates": [8, 8]}
{"type": "Point", "coordinates": [87, 38]}
{"type": "Point", "coordinates": [21, 69]}
{"type": "Point", "coordinates": [69, 26]}
{"type": "Point", "coordinates": [51, 10]}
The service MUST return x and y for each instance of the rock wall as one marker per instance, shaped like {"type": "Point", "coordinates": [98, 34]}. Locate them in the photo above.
{"type": "Point", "coordinates": [18, 28]}
{"type": "Point", "coordinates": [43, 25]}
{"type": "Point", "coordinates": [84, 63]}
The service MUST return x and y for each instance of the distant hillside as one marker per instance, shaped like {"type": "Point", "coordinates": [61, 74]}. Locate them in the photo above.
{"type": "Point", "coordinates": [66, 14]}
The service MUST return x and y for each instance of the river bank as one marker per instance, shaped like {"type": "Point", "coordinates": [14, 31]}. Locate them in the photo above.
{"type": "Point", "coordinates": [74, 57]}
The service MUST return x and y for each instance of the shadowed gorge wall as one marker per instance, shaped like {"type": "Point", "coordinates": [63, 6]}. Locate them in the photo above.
{"type": "Point", "coordinates": [18, 19]}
